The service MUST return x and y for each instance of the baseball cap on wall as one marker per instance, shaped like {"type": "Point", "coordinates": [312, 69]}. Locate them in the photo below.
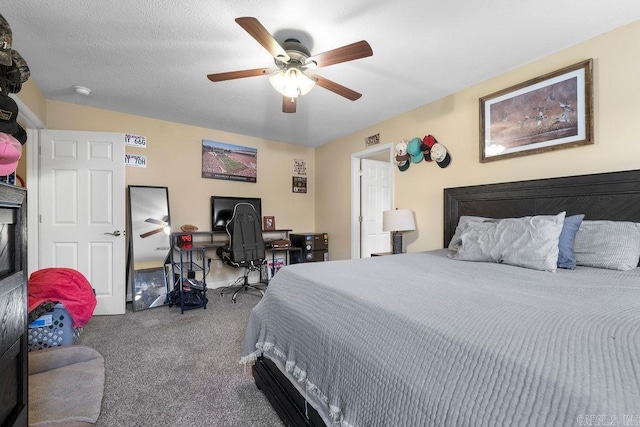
{"type": "Point", "coordinates": [427, 143]}
{"type": "Point", "coordinates": [10, 153]}
{"type": "Point", "coordinates": [6, 39]}
{"type": "Point", "coordinates": [441, 155]}
{"type": "Point", "coordinates": [8, 115]}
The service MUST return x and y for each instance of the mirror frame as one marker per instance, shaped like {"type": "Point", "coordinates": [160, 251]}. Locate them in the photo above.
{"type": "Point", "coordinates": [149, 235]}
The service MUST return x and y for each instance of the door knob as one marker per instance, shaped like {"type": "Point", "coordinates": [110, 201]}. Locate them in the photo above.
{"type": "Point", "coordinates": [115, 233]}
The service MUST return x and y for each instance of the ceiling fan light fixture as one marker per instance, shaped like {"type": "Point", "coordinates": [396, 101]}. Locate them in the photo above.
{"type": "Point", "coordinates": [292, 82]}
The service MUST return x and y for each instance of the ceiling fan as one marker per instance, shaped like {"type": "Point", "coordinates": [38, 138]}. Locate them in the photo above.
{"type": "Point", "coordinates": [293, 59]}
{"type": "Point", "coordinates": [162, 223]}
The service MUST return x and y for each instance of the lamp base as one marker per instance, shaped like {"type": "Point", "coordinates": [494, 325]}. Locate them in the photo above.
{"type": "Point", "coordinates": [397, 243]}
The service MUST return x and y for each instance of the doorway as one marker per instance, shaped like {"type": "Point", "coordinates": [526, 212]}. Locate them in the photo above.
{"type": "Point", "coordinates": [371, 173]}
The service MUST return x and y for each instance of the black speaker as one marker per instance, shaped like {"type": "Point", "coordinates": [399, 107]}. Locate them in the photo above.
{"type": "Point", "coordinates": [314, 247]}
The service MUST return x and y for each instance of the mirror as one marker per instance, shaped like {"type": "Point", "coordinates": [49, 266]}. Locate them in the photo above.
{"type": "Point", "coordinates": [149, 245]}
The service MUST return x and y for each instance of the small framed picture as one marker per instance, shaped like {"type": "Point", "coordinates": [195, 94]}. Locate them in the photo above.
{"type": "Point", "coordinates": [299, 184]}
{"type": "Point", "coordinates": [268, 223]}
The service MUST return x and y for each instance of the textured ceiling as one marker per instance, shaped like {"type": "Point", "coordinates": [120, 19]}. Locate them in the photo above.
{"type": "Point", "coordinates": [151, 57]}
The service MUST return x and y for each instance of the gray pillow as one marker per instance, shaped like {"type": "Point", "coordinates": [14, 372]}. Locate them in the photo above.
{"type": "Point", "coordinates": [614, 245]}
{"type": "Point", "coordinates": [530, 242]}
{"type": "Point", "coordinates": [463, 222]}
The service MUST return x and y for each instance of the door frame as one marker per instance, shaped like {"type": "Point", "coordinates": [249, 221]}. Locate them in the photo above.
{"type": "Point", "coordinates": [356, 196]}
{"type": "Point", "coordinates": [33, 124]}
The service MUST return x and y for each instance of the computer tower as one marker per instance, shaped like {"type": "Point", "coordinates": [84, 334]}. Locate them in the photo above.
{"type": "Point", "coordinates": [314, 247]}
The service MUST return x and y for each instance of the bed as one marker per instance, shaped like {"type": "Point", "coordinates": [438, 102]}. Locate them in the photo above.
{"type": "Point", "coordinates": [424, 339]}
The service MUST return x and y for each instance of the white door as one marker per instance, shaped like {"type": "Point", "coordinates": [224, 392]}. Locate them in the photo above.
{"type": "Point", "coordinates": [82, 210]}
{"type": "Point", "coordinates": [375, 198]}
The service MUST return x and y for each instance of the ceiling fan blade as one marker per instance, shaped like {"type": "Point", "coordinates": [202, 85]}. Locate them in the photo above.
{"type": "Point", "coordinates": [152, 232]}
{"type": "Point", "coordinates": [155, 221]}
{"type": "Point", "coordinates": [262, 36]}
{"type": "Point", "coordinates": [289, 104]}
{"type": "Point", "coordinates": [230, 75]}
{"type": "Point", "coordinates": [346, 53]}
{"type": "Point", "coordinates": [337, 88]}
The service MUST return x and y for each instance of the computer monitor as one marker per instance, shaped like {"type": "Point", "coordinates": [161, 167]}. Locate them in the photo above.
{"type": "Point", "coordinates": [222, 209]}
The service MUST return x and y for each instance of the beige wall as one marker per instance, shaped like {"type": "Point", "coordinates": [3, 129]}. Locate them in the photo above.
{"type": "Point", "coordinates": [454, 122]}
{"type": "Point", "coordinates": [31, 95]}
{"type": "Point", "coordinates": [174, 160]}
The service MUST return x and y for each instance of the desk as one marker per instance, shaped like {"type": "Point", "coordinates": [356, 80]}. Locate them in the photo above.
{"type": "Point", "coordinates": [287, 251]}
{"type": "Point", "coordinates": [211, 235]}
{"type": "Point", "coordinates": [215, 239]}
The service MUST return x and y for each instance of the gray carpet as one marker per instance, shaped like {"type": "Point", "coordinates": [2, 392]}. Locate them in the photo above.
{"type": "Point", "coordinates": [164, 368]}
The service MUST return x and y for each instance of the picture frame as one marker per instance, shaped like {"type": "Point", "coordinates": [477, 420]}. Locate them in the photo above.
{"type": "Point", "coordinates": [549, 112]}
{"type": "Point", "coordinates": [268, 223]}
{"type": "Point", "coordinates": [230, 162]}
{"type": "Point", "coordinates": [299, 184]}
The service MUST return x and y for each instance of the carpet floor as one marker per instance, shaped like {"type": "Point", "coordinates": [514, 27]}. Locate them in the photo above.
{"type": "Point", "coordinates": [164, 368]}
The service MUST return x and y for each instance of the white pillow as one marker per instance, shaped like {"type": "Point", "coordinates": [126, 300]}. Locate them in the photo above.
{"type": "Point", "coordinates": [614, 245]}
{"type": "Point", "coordinates": [530, 242]}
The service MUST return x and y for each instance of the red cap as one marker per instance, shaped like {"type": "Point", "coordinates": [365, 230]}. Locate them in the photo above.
{"type": "Point", "coordinates": [429, 140]}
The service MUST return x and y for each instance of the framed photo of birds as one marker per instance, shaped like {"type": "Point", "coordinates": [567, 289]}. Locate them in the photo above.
{"type": "Point", "coordinates": [546, 113]}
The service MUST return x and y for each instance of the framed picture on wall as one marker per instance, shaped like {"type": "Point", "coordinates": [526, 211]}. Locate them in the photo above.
{"type": "Point", "coordinates": [268, 223]}
{"type": "Point", "coordinates": [228, 161]}
{"type": "Point", "coordinates": [299, 184]}
{"type": "Point", "coordinates": [547, 113]}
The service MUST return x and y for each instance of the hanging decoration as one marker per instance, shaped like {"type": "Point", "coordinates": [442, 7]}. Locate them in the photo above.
{"type": "Point", "coordinates": [416, 150]}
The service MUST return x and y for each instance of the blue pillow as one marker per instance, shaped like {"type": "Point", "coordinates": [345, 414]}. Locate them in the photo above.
{"type": "Point", "coordinates": [566, 258]}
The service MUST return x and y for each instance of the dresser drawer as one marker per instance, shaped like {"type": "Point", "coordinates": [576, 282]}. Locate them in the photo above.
{"type": "Point", "coordinates": [13, 310]}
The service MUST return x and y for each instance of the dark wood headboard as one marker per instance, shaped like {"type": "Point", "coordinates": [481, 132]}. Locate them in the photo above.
{"type": "Point", "coordinates": [613, 195]}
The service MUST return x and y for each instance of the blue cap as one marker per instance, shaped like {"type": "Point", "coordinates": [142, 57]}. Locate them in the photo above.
{"type": "Point", "coordinates": [413, 147]}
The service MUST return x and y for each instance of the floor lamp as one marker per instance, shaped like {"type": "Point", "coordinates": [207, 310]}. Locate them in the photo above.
{"type": "Point", "coordinates": [397, 221]}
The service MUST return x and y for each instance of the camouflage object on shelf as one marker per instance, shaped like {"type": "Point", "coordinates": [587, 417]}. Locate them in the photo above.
{"type": "Point", "coordinates": [6, 39]}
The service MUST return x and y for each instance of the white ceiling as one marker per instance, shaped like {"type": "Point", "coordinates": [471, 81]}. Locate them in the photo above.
{"type": "Point", "coordinates": [151, 57]}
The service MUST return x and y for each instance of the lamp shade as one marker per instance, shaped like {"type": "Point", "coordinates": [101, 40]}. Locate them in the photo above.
{"type": "Point", "coordinates": [398, 220]}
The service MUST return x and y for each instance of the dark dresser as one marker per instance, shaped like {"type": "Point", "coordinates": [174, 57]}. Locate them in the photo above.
{"type": "Point", "coordinates": [13, 306]}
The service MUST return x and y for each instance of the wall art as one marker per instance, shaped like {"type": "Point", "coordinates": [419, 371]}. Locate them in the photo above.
{"type": "Point", "coordinates": [228, 161]}
{"type": "Point", "coordinates": [547, 113]}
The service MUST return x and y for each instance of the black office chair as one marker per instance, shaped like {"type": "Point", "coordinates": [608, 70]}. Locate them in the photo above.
{"type": "Point", "coordinates": [246, 246]}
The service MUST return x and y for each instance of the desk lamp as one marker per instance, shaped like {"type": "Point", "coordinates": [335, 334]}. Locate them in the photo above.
{"type": "Point", "coordinates": [397, 221]}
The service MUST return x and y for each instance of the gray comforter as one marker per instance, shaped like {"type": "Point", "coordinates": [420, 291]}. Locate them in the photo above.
{"type": "Point", "coordinates": [420, 339]}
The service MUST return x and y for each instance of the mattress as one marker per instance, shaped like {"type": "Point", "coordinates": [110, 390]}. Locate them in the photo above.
{"type": "Point", "coordinates": [420, 339]}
